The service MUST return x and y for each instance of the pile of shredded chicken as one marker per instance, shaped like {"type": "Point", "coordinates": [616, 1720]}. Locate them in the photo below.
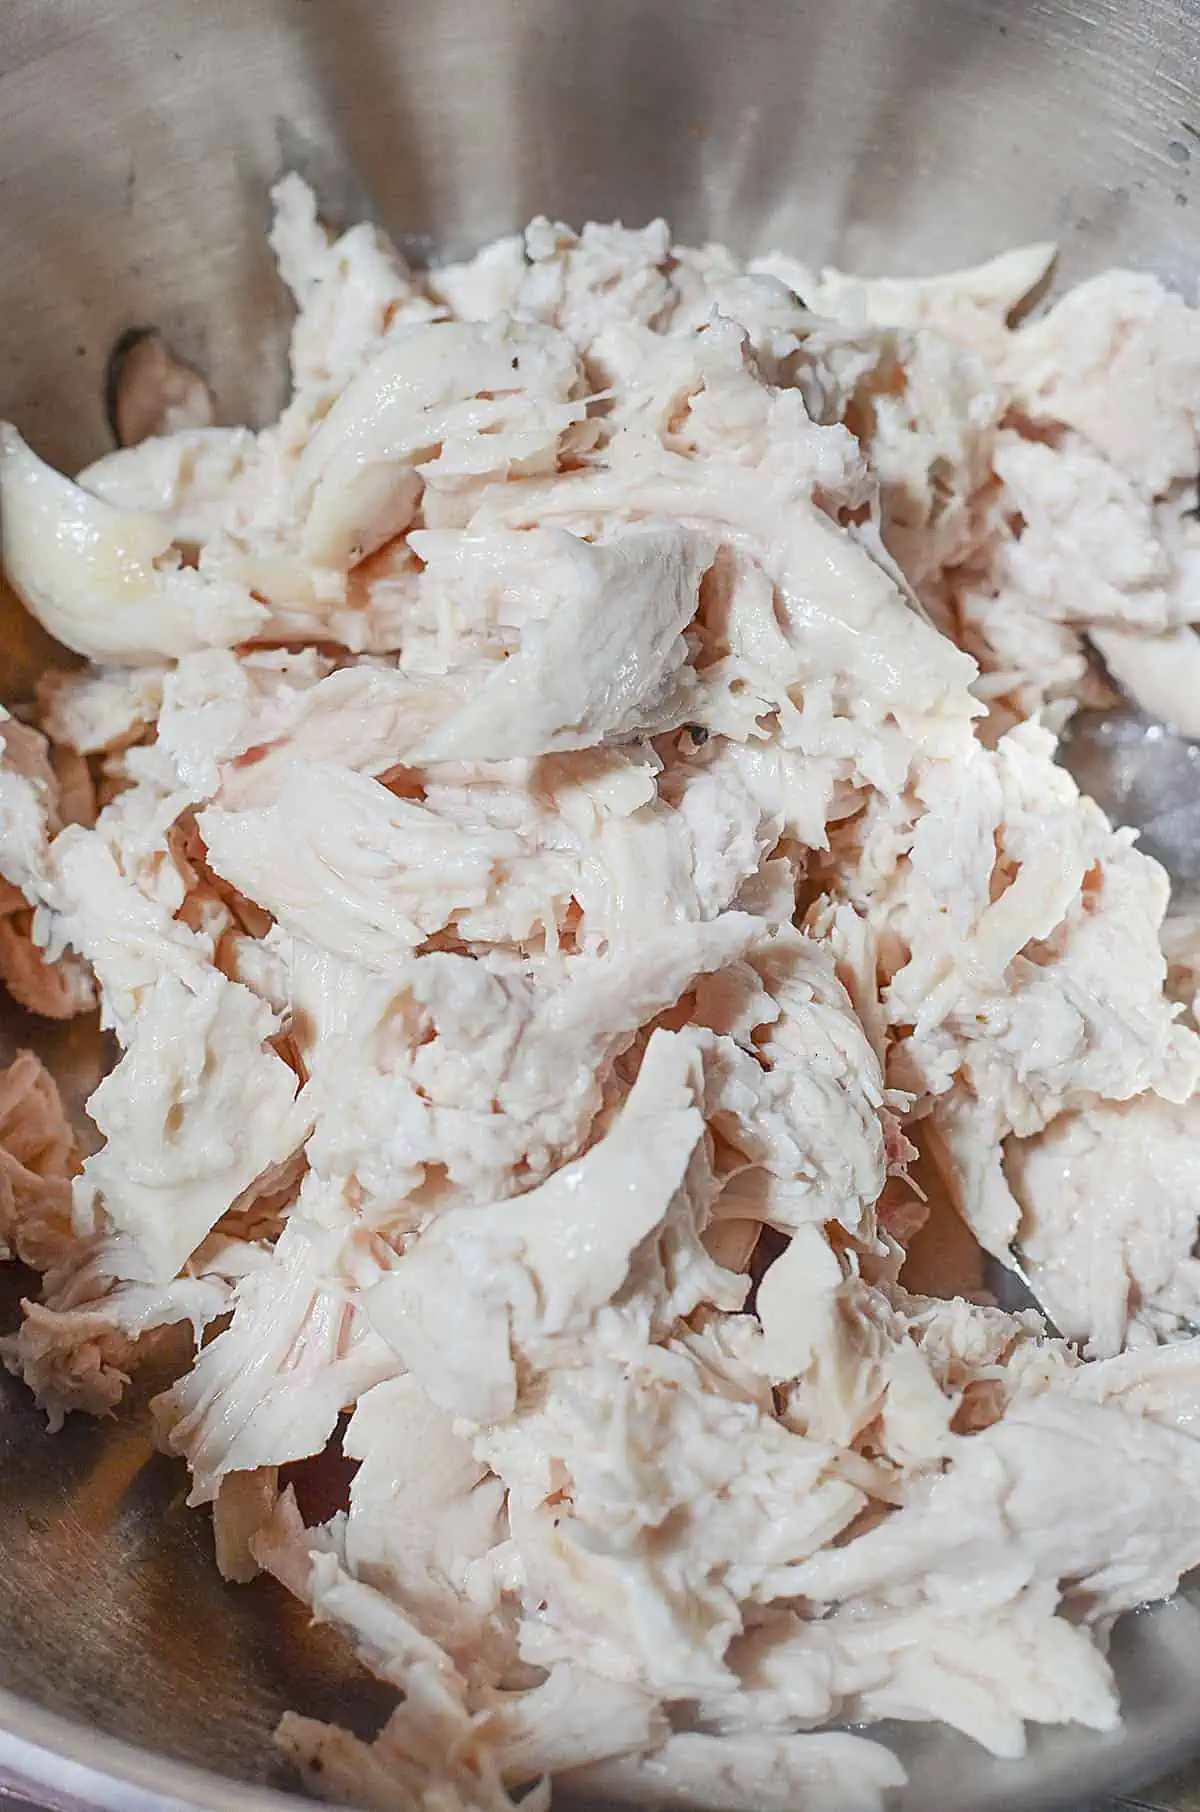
{"type": "Point", "coordinates": [561, 826]}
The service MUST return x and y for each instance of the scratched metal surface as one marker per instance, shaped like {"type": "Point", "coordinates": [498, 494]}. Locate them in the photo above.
{"type": "Point", "coordinates": [137, 141]}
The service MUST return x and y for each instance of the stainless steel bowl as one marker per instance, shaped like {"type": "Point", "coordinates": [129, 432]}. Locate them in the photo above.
{"type": "Point", "coordinates": [137, 142]}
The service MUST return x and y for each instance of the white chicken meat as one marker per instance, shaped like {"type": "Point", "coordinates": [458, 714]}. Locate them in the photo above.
{"type": "Point", "coordinates": [558, 825]}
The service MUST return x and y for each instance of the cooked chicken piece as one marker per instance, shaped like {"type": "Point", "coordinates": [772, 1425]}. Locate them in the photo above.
{"type": "Point", "coordinates": [1118, 360]}
{"type": "Point", "coordinates": [123, 925]}
{"type": "Point", "coordinates": [1160, 673]}
{"type": "Point", "coordinates": [837, 1772]}
{"type": "Point", "coordinates": [1058, 1489]}
{"type": "Point", "coordinates": [34, 804]}
{"type": "Point", "coordinates": [349, 290]}
{"type": "Point", "coordinates": [244, 1505]}
{"type": "Point", "coordinates": [57, 990]}
{"type": "Point", "coordinates": [234, 728]}
{"type": "Point", "coordinates": [37, 1158]}
{"type": "Point", "coordinates": [424, 1517]}
{"type": "Point", "coordinates": [341, 862]}
{"type": "Point", "coordinates": [1154, 1381]}
{"type": "Point", "coordinates": [583, 281]}
{"type": "Point", "coordinates": [1053, 998]}
{"type": "Point", "coordinates": [95, 712]}
{"type": "Point", "coordinates": [73, 1349]}
{"type": "Point", "coordinates": [794, 1090]}
{"type": "Point", "coordinates": [29, 806]}
{"type": "Point", "coordinates": [538, 1268]}
{"type": "Point", "coordinates": [975, 428]}
{"type": "Point", "coordinates": [297, 1351]}
{"type": "Point", "coordinates": [77, 1347]}
{"type": "Point", "coordinates": [1108, 1218]}
{"type": "Point", "coordinates": [487, 284]}
{"type": "Point", "coordinates": [1087, 549]}
{"type": "Point", "coordinates": [843, 621]}
{"type": "Point", "coordinates": [964, 305]}
{"type": "Point", "coordinates": [108, 582]}
{"type": "Point", "coordinates": [604, 658]}
{"type": "Point", "coordinates": [982, 1673]}
{"type": "Point", "coordinates": [651, 1494]}
{"type": "Point", "coordinates": [198, 1108]}
{"type": "Point", "coordinates": [192, 479]}
{"type": "Point", "coordinates": [434, 1742]}
{"type": "Point", "coordinates": [490, 1076]}
{"type": "Point", "coordinates": [442, 408]}
{"type": "Point", "coordinates": [152, 392]}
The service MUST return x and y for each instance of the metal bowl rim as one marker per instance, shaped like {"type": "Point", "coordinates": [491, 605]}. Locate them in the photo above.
{"type": "Point", "coordinates": [90, 1771]}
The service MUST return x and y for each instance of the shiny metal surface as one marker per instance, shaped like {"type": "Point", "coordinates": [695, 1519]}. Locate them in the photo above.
{"type": "Point", "coordinates": [137, 141]}
{"type": "Point", "coordinates": [1143, 774]}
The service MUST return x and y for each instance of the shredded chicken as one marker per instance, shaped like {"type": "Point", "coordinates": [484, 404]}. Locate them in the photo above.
{"type": "Point", "coordinates": [558, 825]}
